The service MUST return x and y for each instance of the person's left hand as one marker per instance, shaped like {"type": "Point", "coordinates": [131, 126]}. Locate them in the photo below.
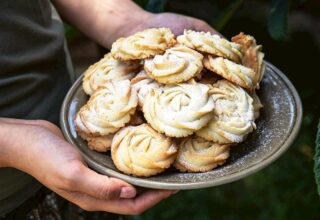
{"type": "Point", "coordinates": [176, 22]}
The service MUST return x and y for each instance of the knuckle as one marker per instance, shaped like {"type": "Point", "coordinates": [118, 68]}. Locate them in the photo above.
{"type": "Point", "coordinates": [105, 192]}
{"type": "Point", "coordinates": [110, 190]}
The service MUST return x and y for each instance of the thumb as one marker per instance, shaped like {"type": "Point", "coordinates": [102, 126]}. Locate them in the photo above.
{"type": "Point", "coordinates": [104, 187]}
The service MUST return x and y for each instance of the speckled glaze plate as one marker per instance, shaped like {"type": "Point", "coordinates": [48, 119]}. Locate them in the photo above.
{"type": "Point", "coordinates": [277, 127]}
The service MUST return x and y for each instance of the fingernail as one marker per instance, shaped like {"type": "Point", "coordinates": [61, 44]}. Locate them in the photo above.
{"type": "Point", "coordinates": [127, 193]}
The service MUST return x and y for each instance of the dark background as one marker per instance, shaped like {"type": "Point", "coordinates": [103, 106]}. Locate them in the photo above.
{"type": "Point", "coordinates": [286, 189]}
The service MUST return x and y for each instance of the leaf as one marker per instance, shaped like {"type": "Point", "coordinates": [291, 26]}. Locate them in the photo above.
{"type": "Point", "coordinates": [278, 19]}
{"type": "Point", "coordinates": [317, 160]}
{"type": "Point", "coordinates": [227, 14]}
{"type": "Point", "coordinates": [156, 6]}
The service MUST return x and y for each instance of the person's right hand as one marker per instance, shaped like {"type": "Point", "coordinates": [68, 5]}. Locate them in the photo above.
{"type": "Point", "coordinates": [38, 148]}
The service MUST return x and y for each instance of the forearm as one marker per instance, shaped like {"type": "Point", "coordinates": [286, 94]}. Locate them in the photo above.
{"type": "Point", "coordinates": [102, 20]}
{"type": "Point", "coordinates": [18, 140]}
{"type": "Point", "coordinates": [11, 139]}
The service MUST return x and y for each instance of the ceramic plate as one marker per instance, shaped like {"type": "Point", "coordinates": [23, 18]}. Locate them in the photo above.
{"type": "Point", "coordinates": [277, 127]}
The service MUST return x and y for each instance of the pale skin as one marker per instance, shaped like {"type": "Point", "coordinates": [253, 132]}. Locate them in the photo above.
{"type": "Point", "coordinates": [38, 147]}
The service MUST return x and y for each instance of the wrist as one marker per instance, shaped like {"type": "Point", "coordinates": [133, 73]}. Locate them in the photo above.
{"type": "Point", "coordinates": [16, 137]}
{"type": "Point", "coordinates": [8, 148]}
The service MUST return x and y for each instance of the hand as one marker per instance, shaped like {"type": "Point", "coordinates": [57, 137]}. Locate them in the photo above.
{"type": "Point", "coordinates": [38, 148]}
{"type": "Point", "coordinates": [177, 23]}
{"type": "Point", "coordinates": [107, 20]}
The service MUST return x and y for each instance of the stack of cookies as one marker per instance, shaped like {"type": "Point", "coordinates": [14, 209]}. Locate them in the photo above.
{"type": "Point", "coordinates": [157, 100]}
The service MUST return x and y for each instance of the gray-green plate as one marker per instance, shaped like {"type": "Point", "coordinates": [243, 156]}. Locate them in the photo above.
{"type": "Point", "coordinates": [277, 127]}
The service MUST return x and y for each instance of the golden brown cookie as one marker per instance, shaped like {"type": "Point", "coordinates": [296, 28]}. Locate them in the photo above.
{"type": "Point", "coordinates": [233, 116]}
{"type": "Point", "coordinates": [198, 155]}
{"type": "Point", "coordinates": [178, 64]}
{"type": "Point", "coordinates": [98, 143]}
{"type": "Point", "coordinates": [143, 84]}
{"type": "Point", "coordinates": [141, 151]}
{"type": "Point", "coordinates": [105, 70]}
{"type": "Point", "coordinates": [257, 105]}
{"type": "Point", "coordinates": [211, 44]}
{"type": "Point", "coordinates": [179, 110]}
{"type": "Point", "coordinates": [108, 109]}
{"type": "Point", "coordinates": [144, 44]}
{"type": "Point", "coordinates": [252, 56]}
{"type": "Point", "coordinates": [236, 73]}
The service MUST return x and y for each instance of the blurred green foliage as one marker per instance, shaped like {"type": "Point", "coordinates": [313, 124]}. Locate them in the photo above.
{"type": "Point", "coordinates": [277, 20]}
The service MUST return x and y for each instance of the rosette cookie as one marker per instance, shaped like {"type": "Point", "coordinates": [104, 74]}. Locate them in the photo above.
{"type": "Point", "coordinates": [99, 143]}
{"type": "Point", "coordinates": [198, 155]}
{"type": "Point", "coordinates": [233, 114]}
{"type": "Point", "coordinates": [105, 70]}
{"type": "Point", "coordinates": [211, 44]}
{"type": "Point", "coordinates": [252, 56]}
{"type": "Point", "coordinates": [179, 110]}
{"type": "Point", "coordinates": [141, 151]}
{"type": "Point", "coordinates": [236, 73]}
{"type": "Point", "coordinates": [144, 44]}
{"type": "Point", "coordinates": [143, 84]}
{"type": "Point", "coordinates": [257, 105]}
{"type": "Point", "coordinates": [177, 64]}
{"type": "Point", "coordinates": [108, 109]}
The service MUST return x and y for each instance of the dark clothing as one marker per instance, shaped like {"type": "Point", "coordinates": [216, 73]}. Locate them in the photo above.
{"type": "Point", "coordinates": [34, 79]}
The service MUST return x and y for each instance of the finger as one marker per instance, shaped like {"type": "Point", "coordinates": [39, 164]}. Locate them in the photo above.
{"type": "Point", "coordinates": [120, 206]}
{"type": "Point", "coordinates": [148, 199]}
{"type": "Point", "coordinates": [203, 26]}
{"type": "Point", "coordinates": [103, 187]}
{"type": "Point", "coordinates": [137, 205]}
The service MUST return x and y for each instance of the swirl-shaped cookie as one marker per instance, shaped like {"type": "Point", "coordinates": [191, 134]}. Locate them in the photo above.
{"type": "Point", "coordinates": [233, 114]}
{"type": "Point", "coordinates": [144, 44]}
{"type": "Point", "coordinates": [211, 44]}
{"type": "Point", "coordinates": [179, 110]}
{"type": "Point", "coordinates": [252, 56]}
{"type": "Point", "coordinates": [177, 64]}
{"type": "Point", "coordinates": [141, 151]}
{"type": "Point", "coordinates": [99, 143]}
{"type": "Point", "coordinates": [105, 70]}
{"type": "Point", "coordinates": [143, 84]}
{"type": "Point", "coordinates": [108, 109]}
{"type": "Point", "coordinates": [236, 73]}
{"type": "Point", "coordinates": [198, 155]}
{"type": "Point", "coordinates": [257, 105]}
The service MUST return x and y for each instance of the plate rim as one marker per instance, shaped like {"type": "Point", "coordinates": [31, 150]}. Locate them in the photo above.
{"type": "Point", "coordinates": [194, 185]}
